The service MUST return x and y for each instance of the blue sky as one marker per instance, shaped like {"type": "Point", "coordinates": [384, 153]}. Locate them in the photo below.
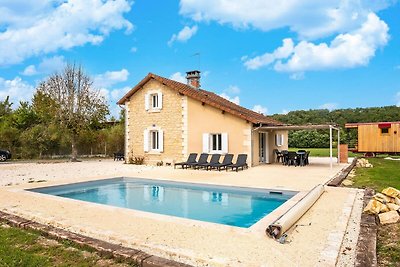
{"type": "Point", "coordinates": [270, 56]}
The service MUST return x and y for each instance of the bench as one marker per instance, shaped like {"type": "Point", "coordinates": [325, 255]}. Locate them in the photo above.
{"type": "Point", "coordinates": [119, 156]}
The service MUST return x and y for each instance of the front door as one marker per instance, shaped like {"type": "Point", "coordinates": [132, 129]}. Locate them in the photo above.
{"type": "Point", "coordinates": [263, 148]}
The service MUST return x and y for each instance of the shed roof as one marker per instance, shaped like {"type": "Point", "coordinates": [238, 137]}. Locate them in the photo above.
{"type": "Point", "coordinates": [355, 125]}
{"type": "Point", "coordinates": [206, 97]}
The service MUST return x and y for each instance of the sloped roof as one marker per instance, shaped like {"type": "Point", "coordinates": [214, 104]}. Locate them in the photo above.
{"type": "Point", "coordinates": [206, 97]}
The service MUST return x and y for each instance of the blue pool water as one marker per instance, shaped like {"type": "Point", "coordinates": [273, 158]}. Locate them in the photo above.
{"type": "Point", "coordinates": [241, 207]}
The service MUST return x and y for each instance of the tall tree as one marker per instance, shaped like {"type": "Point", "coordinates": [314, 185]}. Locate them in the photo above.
{"type": "Point", "coordinates": [75, 103]}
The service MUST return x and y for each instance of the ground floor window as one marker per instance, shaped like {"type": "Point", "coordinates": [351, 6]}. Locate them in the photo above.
{"type": "Point", "coordinates": [279, 139]}
{"type": "Point", "coordinates": [153, 140]}
{"type": "Point", "coordinates": [155, 143]}
{"type": "Point", "coordinates": [215, 143]}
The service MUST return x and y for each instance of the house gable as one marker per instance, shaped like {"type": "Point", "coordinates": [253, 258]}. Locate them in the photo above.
{"type": "Point", "coordinates": [142, 121]}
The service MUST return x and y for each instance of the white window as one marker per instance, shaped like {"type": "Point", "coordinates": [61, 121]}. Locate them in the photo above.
{"type": "Point", "coordinates": [153, 101]}
{"type": "Point", "coordinates": [215, 143]}
{"type": "Point", "coordinates": [279, 139]}
{"type": "Point", "coordinates": [153, 140]}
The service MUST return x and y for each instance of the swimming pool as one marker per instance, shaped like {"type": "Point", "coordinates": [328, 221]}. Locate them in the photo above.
{"type": "Point", "coordinates": [241, 207]}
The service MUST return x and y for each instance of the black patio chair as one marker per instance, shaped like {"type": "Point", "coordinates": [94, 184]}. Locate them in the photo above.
{"type": "Point", "coordinates": [292, 159]}
{"type": "Point", "coordinates": [285, 157]}
{"type": "Point", "coordinates": [191, 159]}
{"type": "Point", "coordinates": [202, 160]}
{"type": "Point", "coordinates": [226, 162]}
{"type": "Point", "coordinates": [214, 160]}
{"type": "Point", "coordinates": [240, 163]}
{"type": "Point", "coordinates": [306, 162]}
{"type": "Point", "coordinates": [278, 155]}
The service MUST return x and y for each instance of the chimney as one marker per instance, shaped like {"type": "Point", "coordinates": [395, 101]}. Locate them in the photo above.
{"type": "Point", "coordinates": [193, 78]}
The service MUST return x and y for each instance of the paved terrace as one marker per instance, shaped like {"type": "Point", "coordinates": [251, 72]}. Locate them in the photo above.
{"type": "Point", "coordinates": [185, 240]}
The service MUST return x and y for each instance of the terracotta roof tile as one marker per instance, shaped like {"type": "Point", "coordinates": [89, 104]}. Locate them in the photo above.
{"type": "Point", "coordinates": [206, 97]}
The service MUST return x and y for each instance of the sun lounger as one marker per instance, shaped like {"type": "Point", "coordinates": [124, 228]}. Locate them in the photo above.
{"type": "Point", "coordinates": [191, 159]}
{"type": "Point", "coordinates": [202, 160]}
{"type": "Point", "coordinates": [214, 160]}
{"type": "Point", "coordinates": [240, 163]}
{"type": "Point", "coordinates": [226, 162]}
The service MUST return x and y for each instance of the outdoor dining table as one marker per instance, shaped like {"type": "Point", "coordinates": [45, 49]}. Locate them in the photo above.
{"type": "Point", "coordinates": [301, 156]}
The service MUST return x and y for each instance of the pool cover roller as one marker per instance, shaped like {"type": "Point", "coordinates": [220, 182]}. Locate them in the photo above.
{"type": "Point", "coordinates": [289, 218]}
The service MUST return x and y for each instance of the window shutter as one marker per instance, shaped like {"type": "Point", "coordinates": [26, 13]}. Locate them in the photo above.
{"type": "Point", "coordinates": [282, 139]}
{"type": "Point", "coordinates": [224, 142]}
{"type": "Point", "coordinates": [146, 101]}
{"type": "Point", "coordinates": [160, 102]}
{"type": "Point", "coordinates": [206, 142]}
{"type": "Point", "coordinates": [146, 144]}
{"type": "Point", "coordinates": [161, 140]}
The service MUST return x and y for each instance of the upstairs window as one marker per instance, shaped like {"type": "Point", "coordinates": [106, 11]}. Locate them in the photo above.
{"type": "Point", "coordinates": [153, 101]}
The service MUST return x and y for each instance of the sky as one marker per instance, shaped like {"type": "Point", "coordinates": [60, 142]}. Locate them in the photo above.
{"type": "Point", "coordinates": [269, 56]}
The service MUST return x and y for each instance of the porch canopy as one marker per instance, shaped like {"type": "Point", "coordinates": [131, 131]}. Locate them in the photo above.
{"type": "Point", "coordinates": [331, 127]}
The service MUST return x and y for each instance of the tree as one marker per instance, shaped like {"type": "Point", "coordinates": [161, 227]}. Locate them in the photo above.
{"type": "Point", "coordinates": [75, 103]}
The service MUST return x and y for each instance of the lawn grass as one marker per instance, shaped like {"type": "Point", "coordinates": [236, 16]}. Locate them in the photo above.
{"type": "Point", "coordinates": [385, 173]}
{"type": "Point", "coordinates": [321, 152]}
{"type": "Point", "coordinates": [26, 248]}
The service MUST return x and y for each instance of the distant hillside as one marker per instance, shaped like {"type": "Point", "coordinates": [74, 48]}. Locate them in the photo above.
{"type": "Point", "coordinates": [340, 116]}
{"type": "Point", "coordinates": [308, 139]}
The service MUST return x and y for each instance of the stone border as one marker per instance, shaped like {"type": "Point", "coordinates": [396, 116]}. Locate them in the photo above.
{"type": "Point", "coordinates": [105, 249]}
{"type": "Point", "coordinates": [338, 179]}
{"type": "Point", "coordinates": [366, 244]}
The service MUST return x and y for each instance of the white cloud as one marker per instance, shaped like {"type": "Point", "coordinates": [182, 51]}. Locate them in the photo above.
{"type": "Point", "coordinates": [398, 99]}
{"type": "Point", "coordinates": [280, 53]}
{"type": "Point", "coordinates": [134, 49]}
{"type": "Point", "coordinates": [35, 27]}
{"type": "Point", "coordinates": [30, 70]}
{"type": "Point", "coordinates": [16, 89]}
{"type": "Point", "coordinates": [179, 77]}
{"type": "Point", "coordinates": [260, 109]}
{"type": "Point", "coordinates": [234, 99]}
{"type": "Point", "coordinates": [233, 89]}
{"type": "Point", "coordinates": [353, 28]}
{"type": "Point", "coordinates": [284, 112]}
{"type": "Point", "coordinates": [329, 106]}
{"type": "Point", "coordinates": [344, 51]}
{"type": "Point", "coordinates": [46, 66]}
{"type": "Point", "coordinates": [297, 76]}
{"type": "Point", "coordinates": [185, 34]}
{"type": "Point", "coordinates": [110, 78]}
{"type": "Point", "coordinates": [310, 19]}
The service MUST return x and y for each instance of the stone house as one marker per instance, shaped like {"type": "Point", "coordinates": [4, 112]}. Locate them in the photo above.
{"type": "Point", "coordinates": [166, 120]}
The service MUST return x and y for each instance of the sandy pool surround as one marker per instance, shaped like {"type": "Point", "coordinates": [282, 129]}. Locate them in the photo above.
{"type": "Point", "coordinates": [183, 240]}
{"type": "Point", "coordinates": [259, 227]}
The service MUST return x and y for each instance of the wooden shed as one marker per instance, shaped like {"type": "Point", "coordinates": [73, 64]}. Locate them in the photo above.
{"type": "Point", "coordinates": [377, 137]}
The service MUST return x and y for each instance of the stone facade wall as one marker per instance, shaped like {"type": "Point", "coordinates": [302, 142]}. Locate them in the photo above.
{"type": "Point", "coordinates": [168, 119]}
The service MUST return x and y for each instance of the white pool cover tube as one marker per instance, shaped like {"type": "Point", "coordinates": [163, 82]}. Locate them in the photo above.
{"type": "Point", "coordinates": [289, 218]}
